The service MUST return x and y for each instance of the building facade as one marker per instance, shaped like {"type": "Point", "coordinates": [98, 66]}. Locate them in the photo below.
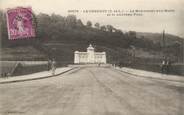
{"type": "Point", "coordinates": [89, 57]}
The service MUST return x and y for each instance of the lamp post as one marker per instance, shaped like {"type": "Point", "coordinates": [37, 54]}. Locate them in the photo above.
{"type": "Point", "coordinates": [182, 51]}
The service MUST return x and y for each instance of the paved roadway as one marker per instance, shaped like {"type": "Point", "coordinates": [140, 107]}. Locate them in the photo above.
{"type": "Point", "coordinates": [92, 91]}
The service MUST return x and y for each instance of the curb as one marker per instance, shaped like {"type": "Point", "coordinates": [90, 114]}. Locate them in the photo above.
{"type": "Point", "coordinates": [149, 77]}
{"type": "Point", "coordinates": [31, 79]}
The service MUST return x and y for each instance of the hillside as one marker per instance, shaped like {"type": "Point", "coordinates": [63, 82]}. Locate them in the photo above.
{"type": "Point", "coordinates": [158, 37]}
{"type": "Point", "coordinates": [59, 37]}
{"type": "Point", "coordinates": [22, 53]}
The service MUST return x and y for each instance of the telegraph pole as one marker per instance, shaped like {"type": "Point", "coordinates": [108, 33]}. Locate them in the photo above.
{"type": "Point", "coordinates": [182, 51]}
{"type": "Point", "coordinates": [163, 39]}
{"type": "Point", "coordinates": [164, 44]}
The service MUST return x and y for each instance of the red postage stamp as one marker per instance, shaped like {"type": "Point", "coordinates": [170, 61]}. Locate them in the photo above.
{"type": "Point", "coordinates": [20, 23]}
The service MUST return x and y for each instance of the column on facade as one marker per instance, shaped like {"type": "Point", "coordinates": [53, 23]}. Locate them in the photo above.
{"type": "Point", "coordinates": [104, 57]}
{"type": "Point", "coordinates": [76, 57]}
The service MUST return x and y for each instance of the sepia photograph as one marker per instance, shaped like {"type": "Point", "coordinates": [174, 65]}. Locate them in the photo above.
{"type": "Point", "coordinates": [91, 57]}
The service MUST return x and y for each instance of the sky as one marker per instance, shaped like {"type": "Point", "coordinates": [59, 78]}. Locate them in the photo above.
{"type": "Point", "coordinates": [171, 22]}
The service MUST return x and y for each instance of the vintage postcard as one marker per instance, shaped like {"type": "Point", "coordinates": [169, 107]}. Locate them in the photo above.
{"type": "Point", "coordinates": [91, 57]}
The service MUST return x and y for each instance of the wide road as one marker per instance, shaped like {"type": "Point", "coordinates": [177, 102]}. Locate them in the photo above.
{"type": "Point", "coordinates": [93, 91]}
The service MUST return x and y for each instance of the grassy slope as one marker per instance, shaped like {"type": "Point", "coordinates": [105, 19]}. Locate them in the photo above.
{"type": "Point", "coordinates": [157, 37]}
{"type": "Point", "coordinates": [22, 53]}
{"type": "Point", "coordinates": [65, 46]}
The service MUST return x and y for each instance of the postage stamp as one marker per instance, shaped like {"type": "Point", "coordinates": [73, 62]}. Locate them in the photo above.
{"type": "Point", "coordinates": [20, 23]}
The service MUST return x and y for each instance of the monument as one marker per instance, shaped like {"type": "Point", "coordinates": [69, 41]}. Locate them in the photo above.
{"type": "Point", "coordinates": [89, 57]}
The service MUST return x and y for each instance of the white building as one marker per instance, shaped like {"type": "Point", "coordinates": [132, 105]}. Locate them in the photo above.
{"type": "Point", "coordinates": [90, 56]}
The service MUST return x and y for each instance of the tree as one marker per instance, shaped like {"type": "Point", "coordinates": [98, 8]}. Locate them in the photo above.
{"type": "Point", "coordinates": [71, 21]}
{"type": "Point", "coordinates": [3, 30]}
{"type": "Point", "coordinates": [89, 24]}
{"type": "Point", "coordinates": [132, 34]}
{"type": "Point", "coordinates": [97, 25]}
{"type": "Point", "coordinates": [118, 31]}
{"type": "Point", "coordinates": [57, 18]}
{"type": "Point", "coordinates": [43, 23]}
{"type": "Point", "coordinates": [103, 28]}
{"type": "Point", "coordinates": [109, 28]}
{"type": "Point", "coordinates": [79, 23]}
